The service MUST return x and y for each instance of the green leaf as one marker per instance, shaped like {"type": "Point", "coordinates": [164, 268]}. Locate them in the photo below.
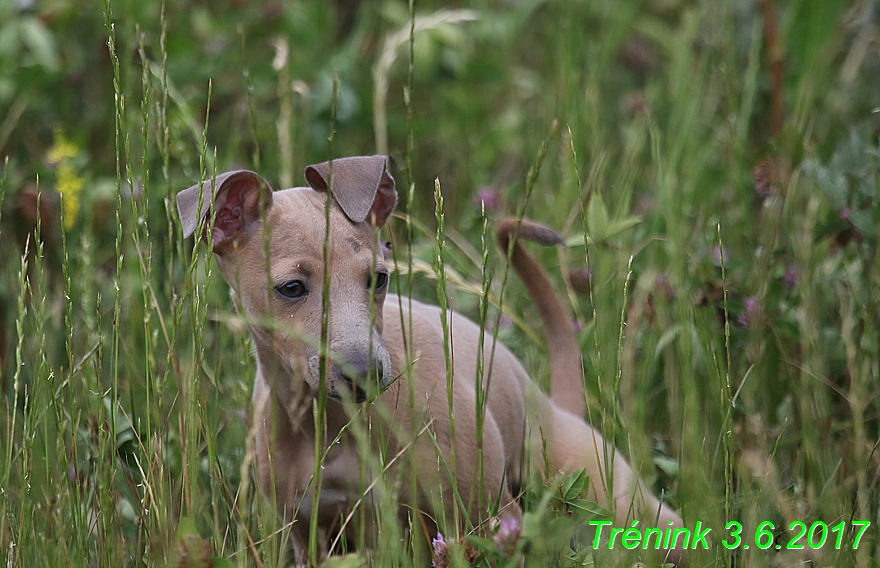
{"type": "Point", "coordinates": [666, 339]}
{"type": "Point", "coordinates": [582, 558]}
{"type": "Point", "coordinates": [620, 225]}
{"type": "Point", "coordinates": [599, 226]}
{"type": "Point", "coordinates": [862, 221]}
{"type": "Point", "coordinates": [40, 42]}
{"type": "Point", "coordinates": [668, 466]}
{"type": "Point", "coordinates": [187, 528]}
{"type": "Point", "coordinates": [574, 484]}
{"type": "Point", "coordinates": [220, 562]}
{"type": "Point", "coordinates": [586, 509]}
{"type": "Point", "coordinates": [597, 218]}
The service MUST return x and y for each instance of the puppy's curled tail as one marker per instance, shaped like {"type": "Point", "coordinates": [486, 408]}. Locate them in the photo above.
{"type": "Point", "coordinates": [566, 366]}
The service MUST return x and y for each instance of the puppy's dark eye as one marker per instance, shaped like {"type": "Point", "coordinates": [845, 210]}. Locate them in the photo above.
{"type": "Point", "coordinates": [378, 281]}
{"type": "Point", "coordinates": [292, 290]}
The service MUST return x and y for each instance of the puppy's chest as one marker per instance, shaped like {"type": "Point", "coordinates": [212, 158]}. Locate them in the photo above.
{"type": "Point", "coordinates": [345, 479]}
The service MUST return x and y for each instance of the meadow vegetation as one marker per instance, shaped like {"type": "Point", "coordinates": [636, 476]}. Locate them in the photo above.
{"type": "Point", "coordinates": [713, 164]}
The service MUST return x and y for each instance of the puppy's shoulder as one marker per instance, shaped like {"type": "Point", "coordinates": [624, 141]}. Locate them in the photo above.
{"type": "Point", "coordinates": [425, 318]}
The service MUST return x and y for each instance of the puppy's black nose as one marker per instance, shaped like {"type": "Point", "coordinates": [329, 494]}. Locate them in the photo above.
{"type": "Point", "coordinates": [361, 373]}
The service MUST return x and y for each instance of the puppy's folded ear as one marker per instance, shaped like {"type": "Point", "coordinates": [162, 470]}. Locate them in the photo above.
{"type": "Point", "coordinates": [362, 187]}
{"type": "Point", "coordinates": [237, 197]}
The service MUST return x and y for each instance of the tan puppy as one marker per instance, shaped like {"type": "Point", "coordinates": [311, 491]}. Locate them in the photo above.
{"type": "Point", "coordinates": [281, 298]}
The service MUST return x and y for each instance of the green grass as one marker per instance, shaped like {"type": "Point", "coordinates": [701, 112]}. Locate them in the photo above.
{"type": "Point", "coordinates": [743, 384]}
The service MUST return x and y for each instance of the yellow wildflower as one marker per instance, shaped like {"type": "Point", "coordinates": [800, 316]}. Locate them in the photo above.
{"type": "Point", "coordinates": [62, 149]}
{"type": "Point", "coordinates": [68, 181]}
{"type": "Point", "coordinates": [70, 186]}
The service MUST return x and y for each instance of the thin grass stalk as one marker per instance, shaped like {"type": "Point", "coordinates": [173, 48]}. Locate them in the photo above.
{"type": "Point", "coordinates": [388, 55]}
{"type": "Point", "coordinates": [376, 482]}
{"type": "Point", "coordinates": [531, 178]}
{"type": "Point", "coordinates": [4, 181]}
{"type": "Point", "coordinates": [149, 356]}
{"type": "Point", "coordinates": [100, 501]}
{"type": "Point", "coordinates": [163, 142]}
{"type": "Point", "coordinates": [215, 482]}
{"type": "Point", "coordinates": [726, 394]}
{"type": "Point", "coordinates": [481, 391]}
{"type": "Point", "coordinates": [377, 457]}
{"type": "Point", "coordinates": [141, 235]}
{"type": "Point", "coordinates": [445, 322]}
{"type": "Point", "coordinates": [241, 503]}
{"type": "Point", "coordinates": [264, 525]}
{"type": "Point", "coordinates": [569, 288]}
{"type": "Point", "coordinates": [17, 531]}
{"type": "Point", "coordinates": [119, 112]}
{"type": "Point", "coordinates": [406, 327]}
{"type": "Point", "coordinates": [30, 403]}
{"type": "Point", "coordinates": [80, 376]}
{"type": "Point", "coordinates": [156, 483]}
{"type": "Point", "coordinates": [364, 445]}
{"type": "Point", "coordinates": [107, 444]}
{"type": "Point", "coordinates": [164, 138]}
{"type": "Point", "coordinates": [567, 228]}
{"type": "Point", "coordinates": [89, 367]}
{"type": "Point", "coordinates": [188, 385]}
{"type": "Point", "coordinates": [6, 466]}
{"type": "Point", "coordinates": [48, 408]}
{"type": "Point", "coordinates": [76, 504]}
{"type": "Point", "coordinates": [611, 449]}
{"type": "Point", "coordinates": [10, 411]}
{"type": "Point", "coordinates": [320, 409]}
{"type": "Point", "coordinates": [608, 427]}
{"type": "Point", "coordinates": [143, 251]}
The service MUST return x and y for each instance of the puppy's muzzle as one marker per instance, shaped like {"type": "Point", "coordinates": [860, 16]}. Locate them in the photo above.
{"type": "Point", "coordinates": [361, 377]}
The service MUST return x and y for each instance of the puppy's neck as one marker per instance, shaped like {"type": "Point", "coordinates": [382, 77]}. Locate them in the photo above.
{"type": "Point", "coordinates": [295, 399]}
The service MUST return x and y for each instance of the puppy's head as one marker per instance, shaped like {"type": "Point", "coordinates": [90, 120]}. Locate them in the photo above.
{"type": "Point", "coordinates": [269, 247]}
